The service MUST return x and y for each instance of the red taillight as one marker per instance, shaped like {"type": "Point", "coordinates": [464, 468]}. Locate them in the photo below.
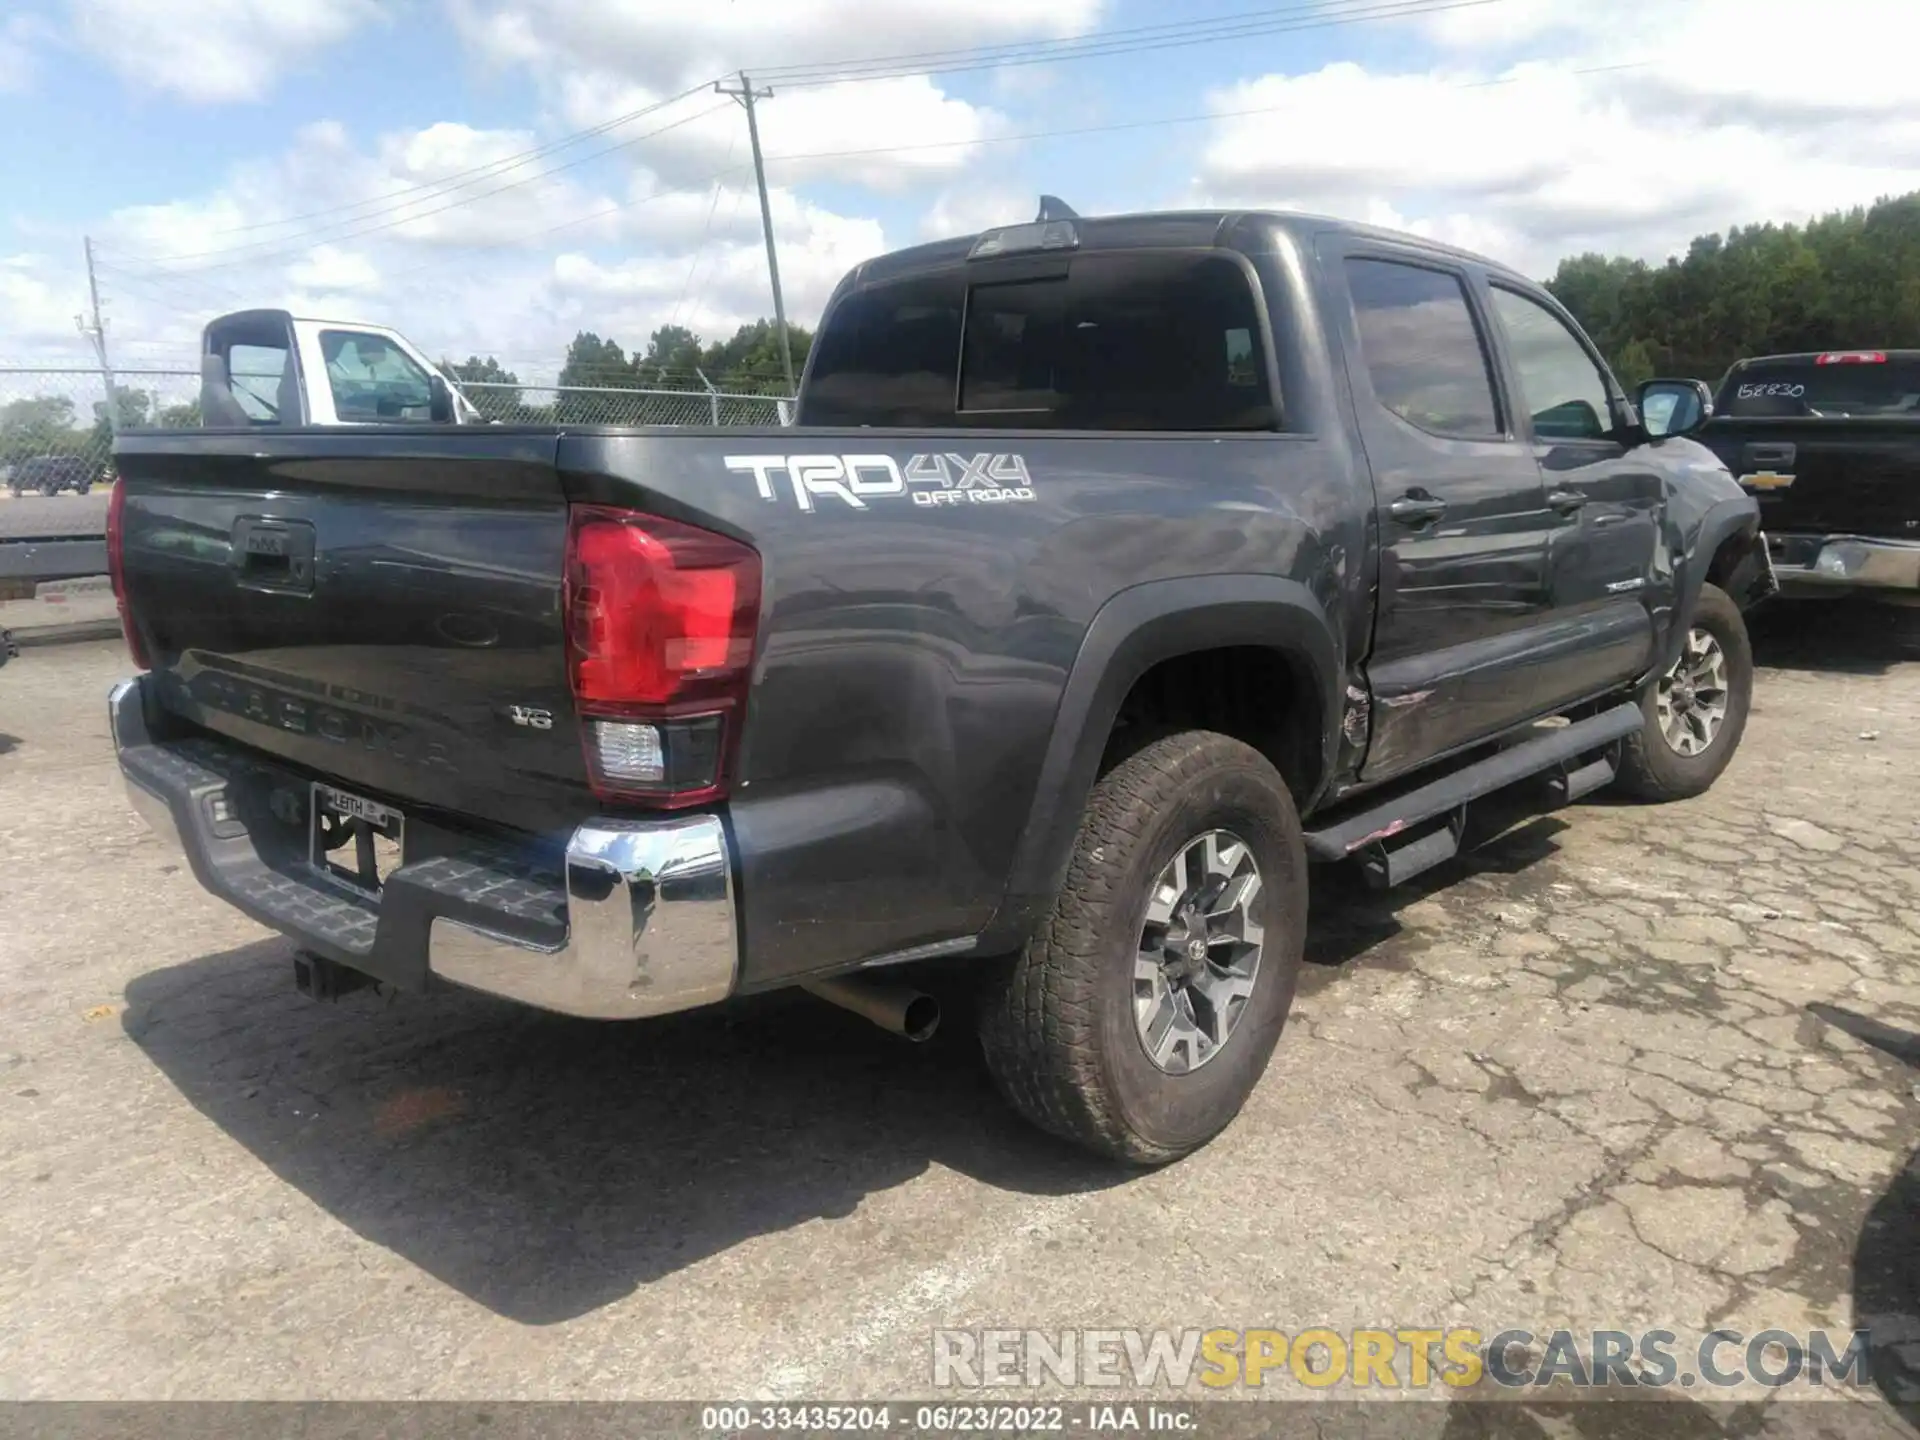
{"type": "Point", "coordinates": [117, 569]}
{"type": "Point", "coordinates": [1851, 357]}
{"type": "Point", "coordinates": [660, 625]}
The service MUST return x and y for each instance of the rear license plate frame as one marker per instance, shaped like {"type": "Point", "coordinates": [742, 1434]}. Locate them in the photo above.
{"type": "Point", "coordinates": [369, 831]}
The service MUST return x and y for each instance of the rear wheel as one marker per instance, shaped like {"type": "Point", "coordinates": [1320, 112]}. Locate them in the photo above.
{"type": "Point", "coordinates": [1141, 1015]}
{"type": "Point", "coordinates": [1696, 712]}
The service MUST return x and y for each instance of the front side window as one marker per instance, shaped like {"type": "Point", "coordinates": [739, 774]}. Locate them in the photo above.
{"type": "Point", "coordinates": [1560, 385]}
{"type": "Point", "coordinates": [1422, 348]}
{"type": "Point", "coordinates": [373, 380]}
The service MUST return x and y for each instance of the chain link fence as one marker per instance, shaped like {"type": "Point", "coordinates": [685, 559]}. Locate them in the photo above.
{"type": "Point", "coordinates": [609, 405]}
{"type": "Point", "coordinates": [54, 427]}
{"type": "Point", "coordinates": [55, 430]}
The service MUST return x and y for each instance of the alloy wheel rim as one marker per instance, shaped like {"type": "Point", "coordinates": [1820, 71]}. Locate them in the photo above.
{"type": "Point", "coordinates": [1693, 697]}
{"type": "Point", "coordinates": [1198, 954]}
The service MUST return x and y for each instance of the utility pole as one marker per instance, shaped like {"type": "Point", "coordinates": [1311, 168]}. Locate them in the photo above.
{"type": "Point", "coordinates": [97, 333]}
{"type": "Point", "coordinates": [746, 95]}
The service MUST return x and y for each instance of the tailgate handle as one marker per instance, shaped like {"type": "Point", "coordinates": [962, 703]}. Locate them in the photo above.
{"type": "Point", "coordinates": [1776, 454]}
{"type": "Point", "coordinates": [273, 554]}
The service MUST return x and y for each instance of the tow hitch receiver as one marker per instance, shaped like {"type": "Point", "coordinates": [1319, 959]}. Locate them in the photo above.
{"type": "Point", "coordinates": [319, 978]}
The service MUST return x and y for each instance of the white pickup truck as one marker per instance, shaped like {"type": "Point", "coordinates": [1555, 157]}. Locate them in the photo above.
{"type": "Point", "coordinates": [272, 367]}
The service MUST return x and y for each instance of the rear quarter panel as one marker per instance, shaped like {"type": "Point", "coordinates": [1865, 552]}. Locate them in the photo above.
{"type": "Point", "coordinates": [913, 651]}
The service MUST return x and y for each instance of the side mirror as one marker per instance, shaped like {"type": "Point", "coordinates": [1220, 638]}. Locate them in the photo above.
{"type": "Point", "coordinates": [1674, 407]}
{"type": "Point", "coordinates": [440, 407]}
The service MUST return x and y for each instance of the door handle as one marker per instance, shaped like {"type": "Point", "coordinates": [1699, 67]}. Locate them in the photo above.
{"type": "Point", "coordinates": [1567, 502]}
{"type": "Point", "coordinates": [1777, 454]}
{"type": "Point", "coordinates": [1416, 508]}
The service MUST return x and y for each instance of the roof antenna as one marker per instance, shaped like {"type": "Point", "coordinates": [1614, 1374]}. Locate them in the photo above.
{"type": "Point", "coordinates": [1052, 207]}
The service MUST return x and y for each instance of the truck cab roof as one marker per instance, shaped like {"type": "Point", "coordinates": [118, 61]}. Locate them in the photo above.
{"type": "Point", "coordinates": [1176, 229]}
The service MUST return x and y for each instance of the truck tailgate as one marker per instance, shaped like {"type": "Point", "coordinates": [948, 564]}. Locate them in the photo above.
{"type": "Point", "coordinates": [383, 609]}
{"type": "Point", "coordinates": [1855, 476]}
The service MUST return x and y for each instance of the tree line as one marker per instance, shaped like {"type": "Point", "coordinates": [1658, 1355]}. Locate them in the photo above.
{"type": "Point", "coordinates": [1849, 280]}
{"type": "Point", "coordinates": [675, 359]}
{"type": "Point", "coordinates": [50, 424]}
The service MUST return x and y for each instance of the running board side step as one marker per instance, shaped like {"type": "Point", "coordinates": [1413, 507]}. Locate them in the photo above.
{"type": "Point", "coordinates": [1390, 821]}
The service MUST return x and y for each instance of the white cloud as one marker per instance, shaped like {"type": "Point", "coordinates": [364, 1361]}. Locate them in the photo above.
{"type": "Point", "coordinates": [38, 301]}
{"type": "Point", "coordinates": [1634, 136]}
{"type": "Point", "coordinates": [899, 131]}
{"type": "Point", "coordinates": [22, 37]}
{"type": "Point", "coordinates": [447, 185]}
{"type": "Point", "coordinates": [513, 275]}
{"type": "Point", "coordinates": [667, 47]}
{"type": "Point", "coordinates": [970, 208]}
{"type": "Point", "coordinates": [603, 61]}
{"type": "Point", "coordinates": [213, 51]}
{"type": "Point", "coordinates": [334, 271]}
{"type": "Point", "coordinates": [721, 285]}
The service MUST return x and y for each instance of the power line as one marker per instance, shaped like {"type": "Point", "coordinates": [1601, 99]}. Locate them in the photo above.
{"type": "Point", "coordinates": [1246, 25]}
{"type": "Point", "coordinates": [294, 245]}
{"type": "Point", "coordinates": [700, 246]}
{"type": "Point", "coordinates": [1131, 40]}
{"type": "Point", "coordinates": [1057, 133]}
{"type": "Point", "coordinates": [444, 184]}
{"type": "Point", "coordinates": [1150, 124]}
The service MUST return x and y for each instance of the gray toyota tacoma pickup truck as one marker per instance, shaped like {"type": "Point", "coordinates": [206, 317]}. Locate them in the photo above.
{"type": "Point", "coordinates": [1118, 571]}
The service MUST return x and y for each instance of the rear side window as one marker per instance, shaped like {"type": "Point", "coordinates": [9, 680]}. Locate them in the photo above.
{"type": "Point", "coordinates": [1422, 348]}
{"type": "Point", "coordinates": [888, 356]}
{"type": "Point", "coordinates": [1112, 342]}
{"type": "Point", "coordinates": [1802, 388]}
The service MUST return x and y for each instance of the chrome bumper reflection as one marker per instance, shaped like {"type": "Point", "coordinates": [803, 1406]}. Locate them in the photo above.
{"type": "Point", "coordinates": [650, 910]}
{"type": "Point", "coordinates": [650, 927]}
{"type": "Point", "coordinates": [1858, 560]}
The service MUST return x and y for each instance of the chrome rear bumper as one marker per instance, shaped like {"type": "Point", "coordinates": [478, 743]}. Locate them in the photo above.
{"type": "Point", "coordinates": [639, 919]}
{"type": "Point", "coordinates": [650, 927]}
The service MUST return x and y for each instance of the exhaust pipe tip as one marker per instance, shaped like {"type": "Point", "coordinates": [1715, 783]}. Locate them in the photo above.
{"type": "Point", "coordinates": [898, 1009]}
{"type": "Point", "coordinates": [920, 1018]}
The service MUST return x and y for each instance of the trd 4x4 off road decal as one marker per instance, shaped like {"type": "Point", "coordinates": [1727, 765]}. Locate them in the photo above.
{"type": "Point", "coordinates": [931, 479]}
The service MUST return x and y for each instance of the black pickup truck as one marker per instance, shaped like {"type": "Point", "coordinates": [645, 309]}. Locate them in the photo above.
{"type": "Point", "coordinates": [1117, 570]}
{"type": "Point", "coordinates": [1830, 445]}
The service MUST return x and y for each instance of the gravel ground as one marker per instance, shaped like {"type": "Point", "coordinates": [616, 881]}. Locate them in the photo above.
{"type": "Point", "coordinates": [1623, 1068]}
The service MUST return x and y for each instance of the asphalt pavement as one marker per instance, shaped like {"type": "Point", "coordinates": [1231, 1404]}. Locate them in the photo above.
{"type": "Point", "coordinates": [1623, 1068]}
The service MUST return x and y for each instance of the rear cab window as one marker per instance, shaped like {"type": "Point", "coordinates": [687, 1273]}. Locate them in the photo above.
{"type": "Point", "coordinates": [254, 375]}
{"type": "Point", "coordinates": [1119, 340]}
{"type": "Point", "coordinates": [1847, 384]}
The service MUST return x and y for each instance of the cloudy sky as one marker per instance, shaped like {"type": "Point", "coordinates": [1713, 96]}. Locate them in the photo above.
{"type": "Point", "coordinates": [492, 175]}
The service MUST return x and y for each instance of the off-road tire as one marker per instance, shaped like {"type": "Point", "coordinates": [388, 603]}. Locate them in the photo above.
{"type": "Point", "coordinates": [1057, 1023]}
{"type": "Point", "coordinates": [1650, 768]}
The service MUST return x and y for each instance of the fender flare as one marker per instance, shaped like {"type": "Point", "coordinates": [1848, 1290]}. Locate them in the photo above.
{"type": "Point", "coordinates": [1134, 631]}
{"type": "Point", "coordinates": [1726, 518]}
